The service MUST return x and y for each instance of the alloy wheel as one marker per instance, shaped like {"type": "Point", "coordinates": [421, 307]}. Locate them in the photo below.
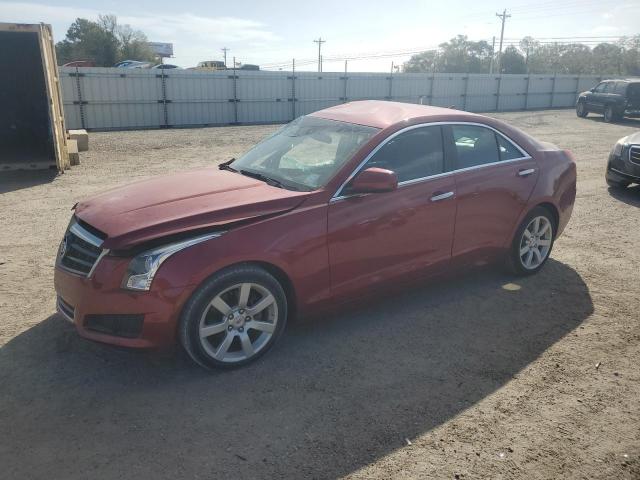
{"type": "Point", "coordinates": [608, 115]}
{"type": "Point", "coordinates": [535, 242]}
{"type": "Point", "coordinates": [238, 322]}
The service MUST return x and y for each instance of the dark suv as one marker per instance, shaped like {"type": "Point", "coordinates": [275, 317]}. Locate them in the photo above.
{"type": "Point", "coordinates": [613, 98]}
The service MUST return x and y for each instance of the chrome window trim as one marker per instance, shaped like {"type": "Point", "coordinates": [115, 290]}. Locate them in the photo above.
{"type": "Point", "coordinates": [525, 156]}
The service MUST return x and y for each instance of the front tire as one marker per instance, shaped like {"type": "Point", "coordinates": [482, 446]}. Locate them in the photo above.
{"type": "Point", "coordinates": [532, 243]}
{"type": "Point", "coordinates": [581, 110]}
{"type": "Point", "coordinates": [233, 318]}
{"type": "Point", "coordinates": [610, 115]}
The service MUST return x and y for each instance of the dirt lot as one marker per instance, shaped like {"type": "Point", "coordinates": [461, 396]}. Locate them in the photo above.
{"type": "Point", "coordinates": [463, 379]}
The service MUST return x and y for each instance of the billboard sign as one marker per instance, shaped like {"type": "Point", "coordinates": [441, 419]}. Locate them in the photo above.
{"type": "Point", "coordinates": [161, 49]}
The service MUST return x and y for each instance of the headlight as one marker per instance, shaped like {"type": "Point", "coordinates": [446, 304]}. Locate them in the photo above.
{"type": "Point", "coordinates": [617, 150]}
{"type": "Point", "coordinates": [144, 266]}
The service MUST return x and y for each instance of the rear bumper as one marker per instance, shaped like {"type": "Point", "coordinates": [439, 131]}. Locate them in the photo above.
{"type": "Point", "coordinates": [154, 314]}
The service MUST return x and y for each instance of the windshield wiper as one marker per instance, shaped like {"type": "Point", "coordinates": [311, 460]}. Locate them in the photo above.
{"type": "Point", "coordinates": [259, 176]}
{"type": "Point", "coordinates": [227, 165]}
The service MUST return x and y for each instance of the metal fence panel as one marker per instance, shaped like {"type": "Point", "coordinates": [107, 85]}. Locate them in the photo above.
{"type": "Point", "coordinates": [481, 93]}
{"type": "Point", "coordinates": [112, 98]}
{"type": "Point", "coordinates": [365, 86]}
{"type": "Point", "coordinates": [315, 91]}
{"type": "Point", "coordinates": [585, 82]}
{"type": "Point", "coordinates": [196, 98]}
{"type": "Point", "coordinates": [410, 87]}
{"type": "Point", "coordinates": [72, 109]}
{"type": "Point", "coordinates": [448, 90]}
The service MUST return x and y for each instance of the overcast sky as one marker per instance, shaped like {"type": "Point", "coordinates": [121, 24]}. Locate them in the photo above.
{"type": "Point", "coordinates": [268, 32]}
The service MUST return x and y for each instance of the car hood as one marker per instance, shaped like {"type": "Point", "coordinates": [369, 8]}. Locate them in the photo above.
{"type": "Point", "coordinates": [176, 203]}
{"type": "Point", "coordinates": [634, 138]}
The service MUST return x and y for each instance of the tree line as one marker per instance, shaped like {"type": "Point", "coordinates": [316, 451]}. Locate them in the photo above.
{"type": "Point", "coordinates": [105, 42]}
{"type": "Point", "coordinates": [461, 55]}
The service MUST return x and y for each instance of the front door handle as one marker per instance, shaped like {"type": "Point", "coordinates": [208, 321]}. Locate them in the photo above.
{"type": "Point", "coordinates": [441, 196]}
{"type": "Point", "coordinates": [527, 172]}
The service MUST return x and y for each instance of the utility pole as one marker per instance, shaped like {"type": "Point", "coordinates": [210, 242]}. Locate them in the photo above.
{"type": "Point", "coordinates": [225, 50]}
{"type": "Point", "coordinates": [493, 54]}
{"type": "Point", "coordinates": [503, 17]}
{"type": "Point", "coordinates": [319, 41]}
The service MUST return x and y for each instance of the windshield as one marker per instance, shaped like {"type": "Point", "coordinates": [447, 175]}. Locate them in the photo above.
{"type": "Point", "coordinates": [306, 153]}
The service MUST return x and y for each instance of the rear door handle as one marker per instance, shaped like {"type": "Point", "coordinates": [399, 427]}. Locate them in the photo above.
{"type": "Point", "coordinates": [527, 172]}
{"type": "Point", "coordinates": [441, 196]}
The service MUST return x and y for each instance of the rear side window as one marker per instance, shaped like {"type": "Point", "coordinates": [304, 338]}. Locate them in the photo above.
{"type": "Point", "coordinates": [621, 88]}
{"type": "Point", "coordinates": [414, 154]}
{"type": "Point", "coordinates": [506, 149]}
{"type": "Point", "coordinates": [474, 145]}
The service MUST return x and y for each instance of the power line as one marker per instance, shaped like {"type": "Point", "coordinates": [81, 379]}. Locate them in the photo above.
{"type": "Point", "coordinates": [543, 41]}
{"type": "Point", "coordinates": [555, 13]}
{"type": "Point", "coordinates": [319, 41]}
{"type": "Point", "coordinates": [550, 5]}
{"type": "Point", "coordinates": [564, 38]}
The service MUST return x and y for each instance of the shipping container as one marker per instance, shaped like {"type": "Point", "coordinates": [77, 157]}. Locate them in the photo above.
{"type": "Point", "coordinates": [32, 129]}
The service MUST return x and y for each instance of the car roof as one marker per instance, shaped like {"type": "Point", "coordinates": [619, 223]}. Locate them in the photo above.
{"type": "Point", "coordinates": [383, 114]}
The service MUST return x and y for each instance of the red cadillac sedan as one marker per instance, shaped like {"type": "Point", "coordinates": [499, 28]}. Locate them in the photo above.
{"type": "Point", "coordinates": [332, 206]}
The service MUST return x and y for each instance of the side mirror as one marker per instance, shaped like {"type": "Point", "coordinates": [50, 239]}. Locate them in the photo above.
{"type": "Point", "coordinates": [592, 90]}
{"type": "Point", "coordinates": [374, 180]}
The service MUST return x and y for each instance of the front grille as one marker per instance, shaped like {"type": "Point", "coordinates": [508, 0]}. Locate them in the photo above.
{"type": "Point", "coordinates": [127, 326]}
{"type": "Point", "coordinates": [634, 154]}
{"type": "Point", "coordinates": [80, 249]}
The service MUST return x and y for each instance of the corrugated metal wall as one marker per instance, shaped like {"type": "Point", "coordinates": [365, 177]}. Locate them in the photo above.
{"type": "Point", "coordinates": [116, 98]}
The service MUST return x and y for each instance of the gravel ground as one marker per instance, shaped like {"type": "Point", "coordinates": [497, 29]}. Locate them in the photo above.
{"type": "Point", "coordinates": [478, 376]}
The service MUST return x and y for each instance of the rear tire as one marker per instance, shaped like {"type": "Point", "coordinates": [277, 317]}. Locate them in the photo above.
{"type": "Point", "coordinates": [233, 318]}
{"type": "Point", "coordinates": [532, 243]}
{"type": "Point", "coordinates": [581, 110]}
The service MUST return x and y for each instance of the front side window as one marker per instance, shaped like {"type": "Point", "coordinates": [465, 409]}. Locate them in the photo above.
{"type": "Point", "coordinates": [417, 153]}
{"type": "Point", "coordinates": [601, 87]}
{"type": "Point", "coordinates": [306, 153]}
{"type": "Point", "coordinates": [474, 145]}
